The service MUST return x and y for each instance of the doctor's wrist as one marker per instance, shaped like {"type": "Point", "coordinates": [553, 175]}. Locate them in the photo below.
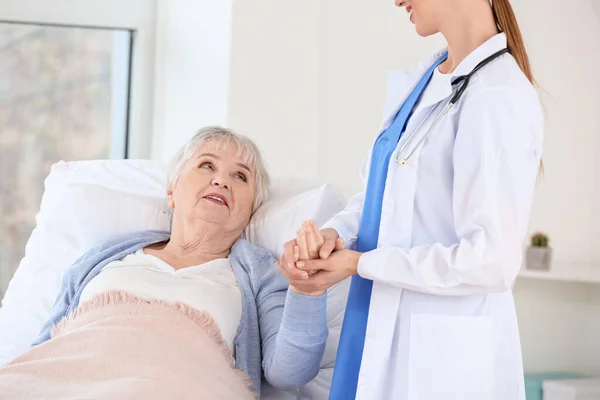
{"type": "Point", "coordinates": [353, 265]}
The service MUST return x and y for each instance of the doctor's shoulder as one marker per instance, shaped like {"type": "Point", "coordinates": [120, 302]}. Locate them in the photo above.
{"type": "Point", "coordinates": [504, 97]}
{"type": "Point", "coordinates": [504, 79]}
{"type": "Point", "coordinates": [503, 89]}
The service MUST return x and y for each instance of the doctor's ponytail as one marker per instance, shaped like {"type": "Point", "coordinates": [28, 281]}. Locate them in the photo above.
{"type": "Point", "coordinates": [507, 22]}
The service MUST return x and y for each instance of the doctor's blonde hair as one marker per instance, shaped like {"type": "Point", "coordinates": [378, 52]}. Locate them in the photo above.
{"type": "Point", "coordinates": [507, 22]}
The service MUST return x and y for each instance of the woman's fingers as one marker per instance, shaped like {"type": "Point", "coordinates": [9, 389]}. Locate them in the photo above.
{"type": "Point", "coordinates": [314, 239]}
{"type": "Point", "coordinates": [302, 244]}
{"type": "Point", "coordinates": [327, 249]}
{"type": "Point", "coordinates": [311, 240]}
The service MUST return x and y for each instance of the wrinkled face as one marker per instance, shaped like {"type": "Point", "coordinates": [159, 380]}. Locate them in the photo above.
{"type": "Point", "coordinates": [426, 15]}
{"type": "Point", "coordinates": [215, 186]}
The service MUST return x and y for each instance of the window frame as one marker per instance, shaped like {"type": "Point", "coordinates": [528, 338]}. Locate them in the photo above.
{"type": "Point", "coordinates": [138, 16]}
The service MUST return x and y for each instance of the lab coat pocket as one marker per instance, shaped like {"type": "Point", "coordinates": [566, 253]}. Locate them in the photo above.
{"type": "Point", "coordinates": [450, 358]}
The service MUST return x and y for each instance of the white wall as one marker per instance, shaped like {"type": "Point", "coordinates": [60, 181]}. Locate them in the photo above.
{"type": "Point", "coordinates": [592, 332]}
{"type": "Point", "coordinates": [554, 325]}
{"type": "Point", "coordinates": [567, 198]}
{"type": "Point", "coordinates": [275, 81]}
{"type": "Point", "coordinates": [360, 43]}
{"type": "Point", "coordinates": [308, 81]}
{"type": "Point", "coordinates": [308, 85]}
{"type": "Point", "coordinates": [596, 4]}
{"type": "Point", "coordinates": [192, 70]}
{"type": "Point", "coordinates": [572, 102]}
{"type": "Point", "coordinates": [304, 81]}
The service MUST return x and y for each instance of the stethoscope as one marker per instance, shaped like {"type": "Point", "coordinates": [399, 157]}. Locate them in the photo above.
{"type": "Point", "coordinates": [465, 82]}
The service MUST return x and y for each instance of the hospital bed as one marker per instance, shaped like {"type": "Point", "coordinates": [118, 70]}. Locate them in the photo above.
{"type": "Point", "coordinates": [86, 202]}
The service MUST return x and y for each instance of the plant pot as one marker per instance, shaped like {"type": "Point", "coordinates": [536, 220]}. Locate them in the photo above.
{"type": "Point", "coordinates": [539, 258]}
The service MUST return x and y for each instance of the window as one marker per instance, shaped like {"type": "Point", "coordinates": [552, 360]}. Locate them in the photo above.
{"type": "Point", "coordinates": [77, 82]}
{"type": "Point", "coordinates": [64, 95]}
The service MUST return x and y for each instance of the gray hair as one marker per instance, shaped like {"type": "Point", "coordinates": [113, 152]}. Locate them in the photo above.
{"type": "Point", "coordinates": [223, 137]}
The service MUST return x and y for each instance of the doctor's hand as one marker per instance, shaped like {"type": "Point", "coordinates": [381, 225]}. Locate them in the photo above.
{"type": "Point", "coordinates": [306, 246]}
{"type": "Point", "coordinates": [331, 242]}
{"type": "Point", "coordinates": [323, 243]}
{"type": "Point", "coordinates": [315, 244]}
{"type": "Point", "coordinates": [310, 243]}
{"type": "Point", "coordinates": [296, 277]}
{"type": "Point", "coordinates": [337, 267]}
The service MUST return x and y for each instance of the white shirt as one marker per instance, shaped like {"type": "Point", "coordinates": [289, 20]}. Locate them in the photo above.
{"type": "Point", "coordinates": [442, 323]}
{"type": "Point", "coordinates": [210, 287]}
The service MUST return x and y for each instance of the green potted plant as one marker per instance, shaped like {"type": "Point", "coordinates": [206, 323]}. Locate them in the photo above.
{"type": "Point", "coordinates": [539, 253]}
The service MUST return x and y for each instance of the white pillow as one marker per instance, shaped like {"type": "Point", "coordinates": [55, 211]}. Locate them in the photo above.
{"type": "Point", "coordinates": [83, 204]}
{"type": "Point", "coordinates": [86, 202]}
{"type": "Point", "coordinates": [278, 220]}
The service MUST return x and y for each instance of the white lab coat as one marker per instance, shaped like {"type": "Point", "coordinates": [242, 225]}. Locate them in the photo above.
{"type": "Point", "coordinates": [442, 323]}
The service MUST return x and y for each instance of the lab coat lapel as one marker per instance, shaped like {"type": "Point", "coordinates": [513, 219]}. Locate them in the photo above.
{"type": "Point", "coordinates": [437, 90]}
{"type": "Point", "coordinates": [403, 199]}
{"type": "Point", "coordinates": [399, 86]}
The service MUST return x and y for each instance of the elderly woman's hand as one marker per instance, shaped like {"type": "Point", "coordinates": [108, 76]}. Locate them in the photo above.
{"type": "Point", "coordinates": [319, 244]}
{"type": "Point", "coordinates": [339, 266]}
{"type": "Point", "coordinates": [309, 244]}
{"type": "Point", "coordinates": [309, 241]}
{"type": "Point", "coordinates": [323, 243]}
{"type": "Point", "coordinates": [306, 246]}
{"type": "Point", "coordinates": [295, 276]}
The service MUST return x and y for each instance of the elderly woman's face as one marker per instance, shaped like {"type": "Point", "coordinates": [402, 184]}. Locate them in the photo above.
{"type": "Point", "coordinates": [215, 186]}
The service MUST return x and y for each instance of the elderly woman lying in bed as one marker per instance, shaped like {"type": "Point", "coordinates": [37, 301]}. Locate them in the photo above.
{"type": "Point", "coordinates": [194, 313]}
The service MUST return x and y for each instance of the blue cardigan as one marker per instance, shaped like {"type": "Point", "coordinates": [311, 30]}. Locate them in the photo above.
{"type": "Point", "coordinates": [281, 333]}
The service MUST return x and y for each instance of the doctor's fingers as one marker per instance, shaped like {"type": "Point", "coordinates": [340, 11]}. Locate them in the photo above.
{"type": "Point", "coordinates": [330, 246]}
{"type": "Point", "coordinates": [327, 248]}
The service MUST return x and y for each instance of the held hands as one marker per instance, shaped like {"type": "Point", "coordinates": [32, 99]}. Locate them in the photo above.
{"type": "Point", "coordinates": [307, 246]}
{"type": "Point", "coordinates": [316, 260]}
{"type": "Point", "coordinates": [309, 242]}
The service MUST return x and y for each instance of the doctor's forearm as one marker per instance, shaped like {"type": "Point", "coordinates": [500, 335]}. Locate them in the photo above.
{"type": "Point", "coordinates": [436, 269]}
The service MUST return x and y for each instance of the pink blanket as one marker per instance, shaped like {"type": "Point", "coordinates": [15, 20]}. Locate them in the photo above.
{"type": "Point", "coordinates": [117, 346]}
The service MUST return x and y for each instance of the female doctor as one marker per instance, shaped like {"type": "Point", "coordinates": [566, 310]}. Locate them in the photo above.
{"type": "Point", "coordinates": [434, 243]}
